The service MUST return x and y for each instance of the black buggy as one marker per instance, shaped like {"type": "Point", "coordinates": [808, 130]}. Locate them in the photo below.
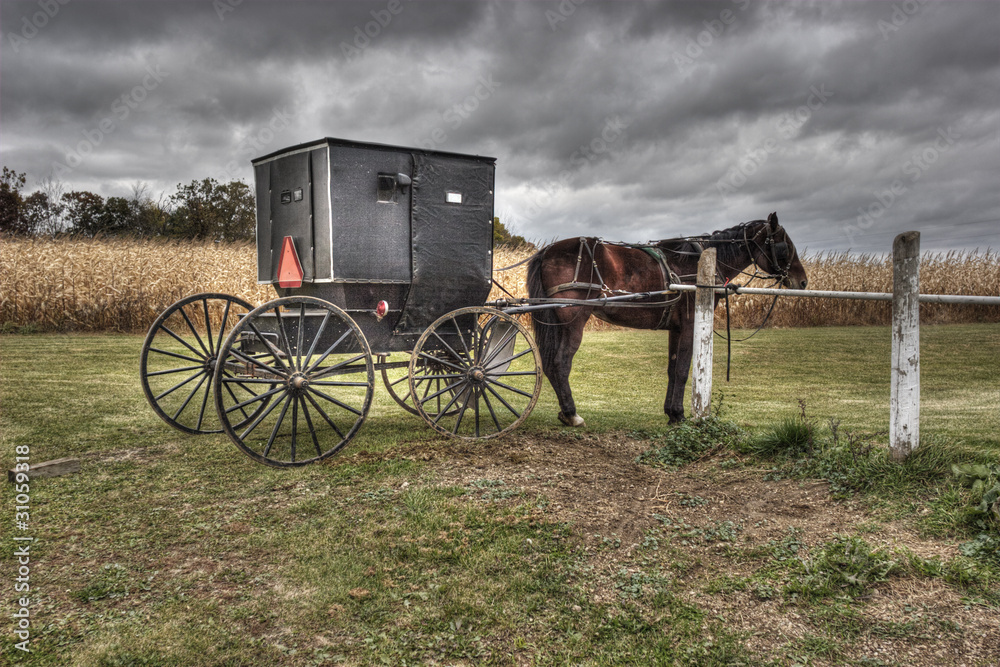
{"type": "Point", "coordinates": [382, 260]}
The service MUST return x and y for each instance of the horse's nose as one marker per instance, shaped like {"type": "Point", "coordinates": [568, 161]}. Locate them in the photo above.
{"type": "Point", "coordinates": [804, 283]}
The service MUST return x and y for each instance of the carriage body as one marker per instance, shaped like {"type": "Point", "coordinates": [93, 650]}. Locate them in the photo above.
{"type": "Point", "coordinates": [372, 223]}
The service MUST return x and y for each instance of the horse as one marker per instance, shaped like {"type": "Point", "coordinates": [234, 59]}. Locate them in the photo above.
{"type": "Point", "coordinates": [587, 268]}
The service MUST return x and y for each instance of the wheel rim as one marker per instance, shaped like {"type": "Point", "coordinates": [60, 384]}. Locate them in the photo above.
{"type": "Point", "coordinates": [486, 365]}
{"type": "Point", "coordinates": [179, 357]}
{"type": "Point", "coordinates": [311, 361]}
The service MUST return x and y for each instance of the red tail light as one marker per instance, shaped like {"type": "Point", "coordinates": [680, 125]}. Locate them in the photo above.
{"type": "Point", "coordinates": [381, 309]}
{"type": "Point", "coordinates": [289, 268]}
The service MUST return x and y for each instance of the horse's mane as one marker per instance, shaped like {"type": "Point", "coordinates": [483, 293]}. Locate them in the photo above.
{"type": "Point", "coordinates": [725, 241]}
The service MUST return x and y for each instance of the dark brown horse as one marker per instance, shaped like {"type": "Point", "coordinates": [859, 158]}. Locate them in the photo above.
{"type": "Point", "coordinates": [587, 268]}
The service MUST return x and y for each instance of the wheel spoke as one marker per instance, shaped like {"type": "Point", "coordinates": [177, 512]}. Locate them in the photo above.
{"type": "Point", "coordinates": [176, 355]}
{"type": "Point", "coordinates": [176, 370]}
{"type": "Point", "coordinates": [208, 327]}
{"type": "Point", "coordinates": [271, 348]}
{"type": "Point", "coordinates": [510, 388]}
{"type": "Point", "coordinates": [301, 332]}
{"type": "Point", "coordinates": [318, 336]}
{"type": "Point", "coordinates": [194, 331]}
{"type": "Point", "coordinates": [312, 429]}
{"type": "Point", "coordinates": [324, 415]}
{"type": "Point", "coordinates": [431, 357]}
{"type": "Point", "coordinates": [507, 405]}
{"type": "Point", "coordinates": [190, 396]}
{"type": "Point", "coordinates": [342, 366]}
{"type": "Point", "coordinates": [204, 402]}
{"type": "Point", "coordinates": [295, 424]}
{"type": "Point", "coordinates": [509, 361]}
{"type": "Point", "coordinates": [222, 327]}
{"type": "Point", "coordinates": [331, 399]}
{"type": "Point", "coordinates": [329, 351]}
{"type": "Point", "coordinates": [170, 332]}
{"type": "Point", "coordinates": [283, 337]}
{"type": "Point", "coordinates": [256, 422]}
{"type": "Point", "coordinates": [448, 388]}
{"type": "Point", "coordinates": [493, 414]}
{"type": "Point", "coordinates": [179, 385]}
{"type": "Point", "coordinates": [277, 424]}
{"type": "Point", "coordinates": [257, 397]}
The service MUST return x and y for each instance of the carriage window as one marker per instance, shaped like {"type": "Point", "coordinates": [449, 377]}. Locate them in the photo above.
{"type": "Point", "coordinates": [453, 197]}
{"type": "Point", "coordinates": [387, 188]}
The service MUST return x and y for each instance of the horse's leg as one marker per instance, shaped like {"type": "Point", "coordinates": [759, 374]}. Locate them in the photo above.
{"type": "Point", "coordinates": [557, 364]}
{"type": "Point", "coordinates": [681, 347]}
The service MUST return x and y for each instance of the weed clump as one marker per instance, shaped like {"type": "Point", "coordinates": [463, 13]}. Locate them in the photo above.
{"type": "Point", "coordinates": [689, 441]}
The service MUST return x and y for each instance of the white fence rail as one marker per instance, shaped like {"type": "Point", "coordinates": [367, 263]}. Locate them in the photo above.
{"type": "Point", "coordinates": [904, 401]}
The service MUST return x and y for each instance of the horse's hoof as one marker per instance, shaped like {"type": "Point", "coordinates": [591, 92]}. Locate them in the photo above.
{"type": "Point", "coordinates": [575, 420]}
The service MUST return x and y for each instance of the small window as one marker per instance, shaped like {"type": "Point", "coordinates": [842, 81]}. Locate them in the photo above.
{"type": "Point", "coordinates": [386, 188]}
{"type": "Point", "coordinates": [286, 196]}
{"type": "Point", "coordinates": [453, 197]}
{"type": "Point", "coordinates": [297, 194]}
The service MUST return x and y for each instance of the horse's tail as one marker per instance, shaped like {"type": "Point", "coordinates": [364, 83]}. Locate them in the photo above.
{"type": "Point", "coordinates": [543, 320]}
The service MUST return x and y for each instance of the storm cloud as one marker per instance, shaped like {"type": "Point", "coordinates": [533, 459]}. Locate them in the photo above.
{"type": "Point", "coordinates": [627, 120]}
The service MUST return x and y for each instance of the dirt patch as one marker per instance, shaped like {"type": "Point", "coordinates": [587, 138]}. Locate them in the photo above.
{"type": "Point", "coordinates": [595, 483]}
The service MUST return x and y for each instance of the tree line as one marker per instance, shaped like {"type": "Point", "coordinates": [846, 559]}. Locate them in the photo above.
{"type": "Point", "coordinates": [205, 209]}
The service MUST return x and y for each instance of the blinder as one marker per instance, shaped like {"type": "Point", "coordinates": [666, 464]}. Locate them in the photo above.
{"type": "Point", "coordinates": [781, 260]}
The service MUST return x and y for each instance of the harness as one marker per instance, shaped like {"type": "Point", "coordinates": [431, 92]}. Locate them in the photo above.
{"type": "Point", "coordinates": [668, 275]}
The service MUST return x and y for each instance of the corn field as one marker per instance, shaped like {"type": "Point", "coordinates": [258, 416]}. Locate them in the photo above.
{"type": "Point", "coordinates": [121, 285]}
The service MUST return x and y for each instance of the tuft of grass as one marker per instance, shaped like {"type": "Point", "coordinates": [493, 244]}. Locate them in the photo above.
{"type": "Point", "coordinates": [846, 566]}
{"type": "Point", "coordinates": [689, 441]}
{"type": "Point", "coordinates": [791, 436]}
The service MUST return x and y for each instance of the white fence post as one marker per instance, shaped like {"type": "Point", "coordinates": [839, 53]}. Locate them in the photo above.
{"type": "Point", "coordinates": [704, 320]}
{"type": "Point", "coordinates": [904, 400]}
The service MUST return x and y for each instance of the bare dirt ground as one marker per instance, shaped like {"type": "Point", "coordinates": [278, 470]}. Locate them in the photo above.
{"type": "Point", "coordinates": [594, 483]}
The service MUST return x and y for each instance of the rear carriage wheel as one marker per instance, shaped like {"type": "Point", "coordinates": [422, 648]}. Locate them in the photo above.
{"type": "Point", "coordinates": [311, 361]}
{"type": "Point", "coordinates": [179, 358]}
{"type": "Point", "coordinates": [475, 373]}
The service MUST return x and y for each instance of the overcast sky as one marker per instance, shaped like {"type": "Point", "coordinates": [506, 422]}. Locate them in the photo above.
{"type": "Point", "coordinates": [626, 120]}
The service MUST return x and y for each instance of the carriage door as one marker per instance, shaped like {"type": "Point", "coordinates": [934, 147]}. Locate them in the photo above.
{"type": "Point", "coordinates": [370, 194]}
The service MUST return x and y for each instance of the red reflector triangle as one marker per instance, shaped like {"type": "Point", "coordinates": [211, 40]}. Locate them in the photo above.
{"type": "Point", "coordinates": [289, 268]}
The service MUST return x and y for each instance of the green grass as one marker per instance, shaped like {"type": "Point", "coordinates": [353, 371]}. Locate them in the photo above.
{"type": "Point", "coordinates": [169, 549]}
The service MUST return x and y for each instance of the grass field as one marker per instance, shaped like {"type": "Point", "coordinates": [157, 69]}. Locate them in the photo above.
{"type": "Point", "coordinates": [625, 543]}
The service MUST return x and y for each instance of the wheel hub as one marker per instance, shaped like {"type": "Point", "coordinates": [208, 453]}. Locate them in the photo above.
{"type": "Point", "coordinates": [477, 375]}
{"type": "Point", "coordinates": [298, 383]}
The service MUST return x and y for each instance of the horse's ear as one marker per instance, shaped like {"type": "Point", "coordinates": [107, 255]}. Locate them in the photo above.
{"type": "Point", "coordinates": [772, 220]}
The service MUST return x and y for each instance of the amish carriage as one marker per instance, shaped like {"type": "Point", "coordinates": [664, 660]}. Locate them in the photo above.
{"type": "Point", "coordinates": [374, 251]}
{"type": "Point", "coordinates": [381, 257]}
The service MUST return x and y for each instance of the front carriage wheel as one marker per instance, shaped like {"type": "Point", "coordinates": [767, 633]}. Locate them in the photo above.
{"type": "Point", "coordinates": [179, 357]}
{"type": "Point", "coordinates": [311, 361]}
{"type": "Point", "coordinates": [475, 373]}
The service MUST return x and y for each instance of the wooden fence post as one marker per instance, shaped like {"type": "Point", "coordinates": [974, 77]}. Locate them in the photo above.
{"type": "Point", "coordinates": [904, 401]}
{"type": "Point", "coordinates": [704, 320]}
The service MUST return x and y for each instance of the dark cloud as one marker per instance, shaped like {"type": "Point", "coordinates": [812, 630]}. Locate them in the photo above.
{"type": "Point", "coordinates": [630, 120]}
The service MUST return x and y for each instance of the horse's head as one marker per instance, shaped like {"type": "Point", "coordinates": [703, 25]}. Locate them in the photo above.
{"type": "Point", "coordinates": [774, 252]}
